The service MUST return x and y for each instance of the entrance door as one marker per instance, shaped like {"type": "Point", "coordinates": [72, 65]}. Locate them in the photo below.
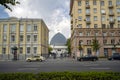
{"type": "Point", "coordinates": [89, 51]}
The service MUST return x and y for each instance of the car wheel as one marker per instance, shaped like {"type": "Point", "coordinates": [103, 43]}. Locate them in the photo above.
{"type": "Point", "coordinates": [81, 59]}
{"type": "Point", "coordinates": [40, 60]}
{"type": "Point", "coordinates": [94, 60]}
{"type": "Point", "coordinates": [29, 60]}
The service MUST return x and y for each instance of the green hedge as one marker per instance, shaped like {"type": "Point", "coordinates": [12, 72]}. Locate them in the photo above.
{"type": "Point", "coordinates": [61, 76]}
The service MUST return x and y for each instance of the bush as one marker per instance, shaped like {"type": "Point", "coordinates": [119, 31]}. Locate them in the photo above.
{"type": "Point", "coordinates": [61, 76]}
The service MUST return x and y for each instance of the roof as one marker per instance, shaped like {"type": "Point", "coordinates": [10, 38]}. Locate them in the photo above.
{"type": "Point", "coordinates": [58, 40]}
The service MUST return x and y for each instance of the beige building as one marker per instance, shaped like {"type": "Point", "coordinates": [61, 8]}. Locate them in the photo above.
{"type": "Point", "coordinates": [90, 18]}
{"type": "Point", "coordinates": [30, 36]}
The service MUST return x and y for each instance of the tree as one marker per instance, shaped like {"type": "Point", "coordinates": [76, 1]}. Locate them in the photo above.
{"type": "Point", "coordinates": [6, 3]}
{"type": "Point", "coordinates": [50, 49]}
{"type": "Point", "coordinates": [68, 44]}
{"type": "Point", "coordinates": [95, 45]}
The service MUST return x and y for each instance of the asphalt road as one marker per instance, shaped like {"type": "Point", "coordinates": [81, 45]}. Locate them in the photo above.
{"type": "Point", "coordinates": [51, 65]}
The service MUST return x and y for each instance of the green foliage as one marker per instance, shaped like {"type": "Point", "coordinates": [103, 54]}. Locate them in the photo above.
{"type": "Point", "coordinates": [62, 76]}
{"type": "Point", "coordinates": [95, 45]}
{"type": "Point", "coordinates": [6, 3]}
{"type": "Point", "coordinates": [50, 49]}
{"type": "Point", "coordinates": [68, 44]}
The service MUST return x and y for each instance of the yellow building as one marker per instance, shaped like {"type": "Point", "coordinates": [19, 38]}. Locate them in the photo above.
{"type": "Point", "coordinates": [95, 18]}
{"type": "Point", "coordinates": [30, 36]}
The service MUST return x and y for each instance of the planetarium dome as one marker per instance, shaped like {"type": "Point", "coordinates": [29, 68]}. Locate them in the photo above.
{"type": "Point", "coordinates": [58, 40]}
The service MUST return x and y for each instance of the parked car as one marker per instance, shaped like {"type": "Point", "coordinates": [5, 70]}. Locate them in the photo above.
{"type": "Point", "coordinates": [35, 58]}
{"type": "Point", "coordinates": [115, 56]}
{"type": "Point", "coordinates": [88, 58]}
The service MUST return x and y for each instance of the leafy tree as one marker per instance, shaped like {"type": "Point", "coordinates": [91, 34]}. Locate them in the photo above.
{"type": "Point", "coordinates": [68, 44]}
{"type": "Point", "coordinates": [6, 3]}
{"type": "Point", "coordinates": [50, 49]}
{"type": "Point", "coordinates": [95, 45]}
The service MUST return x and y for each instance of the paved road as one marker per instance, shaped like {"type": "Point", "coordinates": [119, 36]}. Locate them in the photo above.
{"type": "Point", "coordinates": [51, 65]}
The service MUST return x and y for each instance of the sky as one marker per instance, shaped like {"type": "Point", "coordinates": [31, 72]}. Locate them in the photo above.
{"type": "Point", "coordinates": [55, 13]}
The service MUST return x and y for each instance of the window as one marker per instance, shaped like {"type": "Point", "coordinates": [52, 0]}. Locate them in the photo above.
{"type": "Point", "coordinates": [112, 34]}
{"type": "Point", "coordinates": [104, 41]}
{"type": "Point", "coordinates": [28, 38]}
{"type": "Point", "coordinates": [35, 27]}
{"type": "Point", "coordinates": [28, 50]}
{"type": "Point", "coordinates": [12, 38]}
{"type": "Point", "coordinates": [79, 3]}
{"type": "Point", "coordinates": [111, 18]}
{"type": "Point", "coordinates": [21, 38]}
{"type": "Point", "coordinates": [104, 34]}
{"type": "Point", "coordinates": [79, 11]}
{"type": "Point", "coordinates": [117, 2]}
{"type": "Point", "coordinates": [110, 11]}
{"type": "Point", "coordinates": [79, 25]}
{"type": "Point", "coordinates": [4, 37]}
{"type": "Point", "coordinates": [118, 25]}
{"type": "Point", "coordinates": [110, 3]}
{"type": "Point", "coordinates": [112, 41]}
{"type": "Point", "coordinates": [79, 18]}
{"type": "Point", "coordinates": [96, 33]}
{"type": "Point", "coordinates": [118, 18]}
{"type": "Point", "coordinates": [88, 34]}
{"type": "Point", "coordinates": [95, 26]}
{"type": "Point", "coordinates": [29, 27]}
{"type": "Point", "coordinates": [95, 10]}
{"type": "Point", "coordinates": [103, 18]}
{"type": "Point", "coordinates": [118, 10]}
{"type": "Point", "coordinates": [81, 41]}
{"type": "Point", "coordinates": [21, 50]}
{"type": "Point", "coordinates": [35, 38]}
{"type": "Point", "coordinates": [35, 50]}
{"type": "Point", "coordinates": [102, 3]}
{"type": "Point", "coordinates": [87, 18]}
{"type": "Point", "coordinates": [4, 50]}
{"type": "Point", "coordinates": [81, 34]}
{"type": "Point", "coordinates": [111, 26]}
{"type": "Point", "coordinates": [13, 27]}
{"type": "Point", "coordinates": [103, 26]}
{"type": "Point", "coordinates": [87, 2]}
{"type": "Point", "coordinates": [87, 26]}
{"type": "Point", "coordinates": [95, 18]}
{"type": "Point", "coordinates": [102, 11]}
{"type": "Point", "coordinates": [88, 42]}
{"type": "Point", "coordinates": [87, 11]}
{"type": "Point", "coordinates": [4, 27]}
{"type": "Point", "coordinates": [21, 27]}
{"type": "Point", "coordinates": [94, 2]}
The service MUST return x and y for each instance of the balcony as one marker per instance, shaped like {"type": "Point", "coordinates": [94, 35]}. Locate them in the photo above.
{"type": "Point", "coordinates": [88, 6]}
{"type": "Point", "coordinates": [110, 6]}
{"type": "Point", "coordinates": [88, 21]}
{"type": "Point", "coordinates": [111, 14]}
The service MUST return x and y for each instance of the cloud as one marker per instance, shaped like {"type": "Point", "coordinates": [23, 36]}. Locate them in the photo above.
{"type": "Point", "coordinates": [55, 13]}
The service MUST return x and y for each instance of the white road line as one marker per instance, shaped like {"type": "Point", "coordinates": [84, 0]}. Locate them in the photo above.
{"type": "Point", "coordinates": [21, 69]}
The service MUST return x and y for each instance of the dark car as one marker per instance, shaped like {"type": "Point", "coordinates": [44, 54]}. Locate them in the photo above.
{"type": "Point", "coordinates": [115, 56]}
{"type": "Point", "coordinates": [88, 58]}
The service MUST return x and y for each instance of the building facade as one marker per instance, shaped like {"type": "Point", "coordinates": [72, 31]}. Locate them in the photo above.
{"type": "Point", "coordinates": [95, 18]}
{"type": "Point", "coordinates": [29, 36]}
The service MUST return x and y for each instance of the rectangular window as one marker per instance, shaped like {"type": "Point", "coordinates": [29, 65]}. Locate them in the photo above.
{"type": "Point", "coordinates": [21, 27]}
{"type": "Point", "coordinates": [35, 50]}
{"type": "Point", "coordinates": [79, 18]}
{"type": "Point", "coordinates": [87, 26]}
{"type": "Point", "coordinates": [87, 11]}
{"type": "Point", "coordinates": [102, 3]}
{"type": "Point", "coordinates": [28, 50]}
{"type": "Point", "coordinates": [4, 50]}
{"type": "Point", "coordinates": [28, 38]}
{"type": "Point", "coordinates": [13, 27]}
{"type": "Point", "coordinates": [29, 27]}
{"type": "Point", "coordinates": [21, 38]}
{"type": "Point", "coordinates": [112, 41]}
{"type": "Point", "coordinates": [35, 27]}
{"type": "Point", "coordinates": [118, 18]}
{"type": "Point", "coordinates": [118, 10]}
{"type": "Point", "coordinates": [103, 18]}
{"type": "Point", "coordinates": [35, 38]}
{"type": "Point", "coordinates": [12, 38]}
{"type": "Point", "coordinates": [112, 34]}
{"type": "Point", "coordinates": [87, 2]}
{"type": "Point", "coordinates": [117, 2]}
{"type": "Point", "coordinates": [21, 50]}
{"type": "Point", "coordinates": [103, 26]}
{"type": "Point", "coordinates": [87, 18]}
{"type": "Point", "coordinates": [88, 42]}
{"type": "Point", "coordinates": [104, 41]}
{"type": "Point", "coordinates": [4, 37]}
{"type": "Point", "coordinates": [118, 25]}
{"type": "Point", "coordinates": [79, 25]}
{"type": "Point", "coordinates": [4, 27]}
{"type": "Point", "coordinates": [96, 33]}
{"type": "Point", "coordinates": [95, 10]}
{"type": "Point", "coordinates": [81, 34]}
{"type": "Point", "coordinates": [95, 18]}
{"type": "Point", "coordinates": [79, 3]}
{"type": "Point", "coordinates": [104, 34]}
{"type": "Point", "coordinates": [95, 26]}
{"type": "Point", "coordinates": [79, 11]}
{"type": "Point", "coordinates": [110, 3]}
{"type": "Point", "coordinates": [94, 2]}
{"type": "Point", "coordinates": [88, 34]}
{"type": "Point", "coordinates": [102, 11]}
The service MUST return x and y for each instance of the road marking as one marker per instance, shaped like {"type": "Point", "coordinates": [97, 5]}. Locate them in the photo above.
{"type": "Point", "coordinates": [99, 68]}
{"type": "Point", "coordinates": [21, 69]}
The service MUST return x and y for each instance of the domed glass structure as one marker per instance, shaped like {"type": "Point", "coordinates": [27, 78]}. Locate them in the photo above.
{"type": "Point", "coordinates": [58, 40]}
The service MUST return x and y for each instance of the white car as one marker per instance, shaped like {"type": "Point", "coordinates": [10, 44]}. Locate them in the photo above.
{"type": "Point", "coordinates": [35, 58]}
